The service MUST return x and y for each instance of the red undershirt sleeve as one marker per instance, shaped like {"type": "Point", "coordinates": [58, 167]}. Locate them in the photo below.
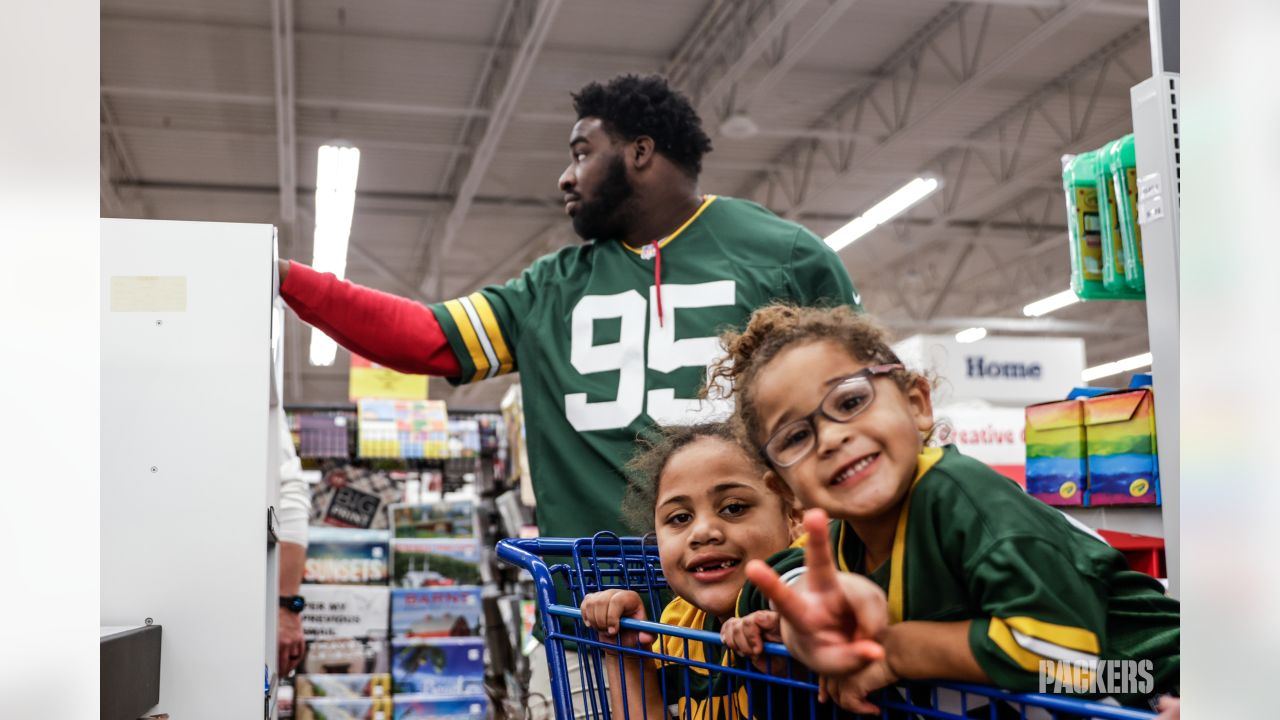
{"type": "Point", "coordinates": [392, 331]}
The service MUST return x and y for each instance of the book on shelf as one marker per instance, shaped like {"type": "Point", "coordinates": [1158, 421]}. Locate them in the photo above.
{"type": "Point", "coordinates": [324, 708]}
{"type": "Point", "coordinates": [336, 611]}
{"type": "Point", "coordinates": [347, 556]}
{"type": "Point", "coordinates": [429, 707]}
{"type": "Point", "coordinates": [420, 562]}
{"type": "Point", "coordinates": [436, 612]}
{"type": "Point", "coordinates": [457, 519]}
{"type": "Point", "coordinates": [345, 656]}
{"type": "Point", "coordinates": [355, 497]}
{"type": "Point", "coordinates": [353, 685]}
{"type": "Point", "coordinates": [438, 666]}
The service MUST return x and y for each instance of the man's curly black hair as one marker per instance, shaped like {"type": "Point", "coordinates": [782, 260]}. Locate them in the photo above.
{"type": "Point", "coordinates": [631, 106]}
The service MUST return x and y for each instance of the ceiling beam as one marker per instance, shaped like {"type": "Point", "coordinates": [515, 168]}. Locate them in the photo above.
{"type": "Point", "coordinates": [1038, 326]}
{"type": "Point", "coordinates": [975, 77]}
{"type": "Point", "coordinates": [712, 70]}
{"type": "Point", "coordinates": [795, 51]}
{"type": "Point", "coordinates": [501, 115]}
{"type": "Point", "coordinates": [1114, 9]}
{"type": "Point", "coordinates": [286, 127]}
{"type": "Point", "coordinates": [1011, 171]}
{"type": "Point", "coordinates": [318, 103]}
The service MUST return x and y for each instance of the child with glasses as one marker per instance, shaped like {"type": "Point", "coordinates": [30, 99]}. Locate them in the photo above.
{"type": "Point", "coordinates": [713, 507]}
{"type": "Point", "coordinates": [955, 571]}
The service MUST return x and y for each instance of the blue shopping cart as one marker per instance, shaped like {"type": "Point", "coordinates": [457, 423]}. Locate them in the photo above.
{"type": "Point", "coordinates": [605, 561]}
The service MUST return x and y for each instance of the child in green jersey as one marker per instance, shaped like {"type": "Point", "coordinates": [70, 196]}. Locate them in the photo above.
{"type": "Point", "coordinates": [957, 572]}
{"type": "Point", "coordinates": [713, 508]}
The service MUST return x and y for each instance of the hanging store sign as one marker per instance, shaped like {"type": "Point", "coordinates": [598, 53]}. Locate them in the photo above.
{"type": "Point", "coordinates": [1008, 370]}
{"type": "Point", "coordinates": [371, 380]}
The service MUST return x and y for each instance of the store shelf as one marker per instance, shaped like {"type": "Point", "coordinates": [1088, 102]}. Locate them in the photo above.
{"type": "Point", "coordinates": [1138, 519]}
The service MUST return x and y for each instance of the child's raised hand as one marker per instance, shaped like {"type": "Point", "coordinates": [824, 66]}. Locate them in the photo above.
{"type": "Point", "coordinates": [746, 637]}
{"type": "Point", "coordinates": [850, 691]}
{"type": "Point", "coordinates": [602, 610]}
{"type": "Point", "coordinates": [830, 619]}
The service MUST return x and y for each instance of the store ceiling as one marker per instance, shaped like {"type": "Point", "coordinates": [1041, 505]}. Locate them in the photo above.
{"type": "Point", "coordinates": [461, 108]}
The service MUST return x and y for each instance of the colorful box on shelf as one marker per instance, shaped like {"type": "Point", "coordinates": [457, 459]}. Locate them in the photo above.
{"type": "Point", "coordinates": [1057, 469]}
{"type": "Point", "coordinates": [1123, 467]}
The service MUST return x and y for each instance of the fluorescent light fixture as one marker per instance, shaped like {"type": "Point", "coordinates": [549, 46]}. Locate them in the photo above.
{"type": "Point", "coordinates": [973, 334]}
{"type": "Point", "coordinates": [1117, 367]}
{"type": "Point", "coordinates": [1057, 301]}
{"type": "Point", "coordinates": [337, 166]}
{"type": "Point", "coordinates": [884, 211]}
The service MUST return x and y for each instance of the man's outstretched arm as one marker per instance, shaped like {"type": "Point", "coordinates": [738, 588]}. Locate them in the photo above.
{"type": "Point", "coordinates": [392, 331]}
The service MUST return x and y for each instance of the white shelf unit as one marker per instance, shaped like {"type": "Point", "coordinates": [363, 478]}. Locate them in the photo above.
{"type": "Point", "coordinates": [1158, 144]}
{"type": "Point", "coordinates": [190, 380]}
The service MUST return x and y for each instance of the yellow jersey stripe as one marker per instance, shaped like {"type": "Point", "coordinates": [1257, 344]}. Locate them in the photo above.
{"type": "Point", "coordinates": [490, 321]}
{"type": "Point", "coordinates": [1073, 638]}
{"type": "Point", "coordinates": [463, 323]}
{"type": "Point", "coordinates": [663, 243]}
{"type": "Point", "coordinates": [1000, 634]}
{"type": "Point", "coordinates": [928, 458]}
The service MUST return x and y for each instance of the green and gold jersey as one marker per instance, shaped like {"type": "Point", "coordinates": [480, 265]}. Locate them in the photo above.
{"type": "Point", "coordinates": [971, 545]}
{"type": "Point", "coordinates": [701, 693]}
{"type": "Point", "coordinates": [598, 364]}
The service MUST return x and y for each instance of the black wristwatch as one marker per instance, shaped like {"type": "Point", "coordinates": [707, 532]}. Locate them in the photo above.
{"type": "Point", "coordinates": [293, 603]}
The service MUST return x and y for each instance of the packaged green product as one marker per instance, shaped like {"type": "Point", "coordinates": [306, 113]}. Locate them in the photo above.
{"type": "Point", "coordinates": [1112, 244]}
{"type": "Point", "coordinates": [1122, 166]}
{"type": "Point", "coordinates": [1083, 227]}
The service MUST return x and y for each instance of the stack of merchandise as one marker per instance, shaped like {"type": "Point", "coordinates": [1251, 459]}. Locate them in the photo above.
{"type": "Point", "coordinates": [346, 672]}
{"type": "Point", "coordinates": [1095, 450]}
{"type": "Point", "coordinates": [437, 645]}
{"type": "Point", "coordinates": [322, 434]}
{"type": "Point", "coordinates": [403, 429]}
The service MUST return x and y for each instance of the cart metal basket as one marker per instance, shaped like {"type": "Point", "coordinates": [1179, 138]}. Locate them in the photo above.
{"type": "Point", "coordinates": [586, 565]}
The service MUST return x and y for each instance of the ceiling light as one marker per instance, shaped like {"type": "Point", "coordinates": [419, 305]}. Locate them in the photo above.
{"type": "Point", "coordinates": [739, 126]}
{"type": "Point", "coordinates": [884, 211]}
{"type": "Point", "coordinates": [1057, 301]}
{"type": "Point", "coordinates": [337, 166]}
{"type": "Point", "coordinates": [973, 334]}
{"type": "Point", "coordinates": [1117, 367]}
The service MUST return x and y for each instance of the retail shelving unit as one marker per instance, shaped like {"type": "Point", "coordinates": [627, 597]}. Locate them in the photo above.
{"type": "Point", "coordinates": [1158, 145]}
{"type": "Point", "coordinates": [190, 383]}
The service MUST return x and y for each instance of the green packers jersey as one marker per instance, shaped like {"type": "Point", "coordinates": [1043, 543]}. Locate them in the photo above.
{"type": "Point", "coordinates": [598, 363]}
{"type": "Point", "coordinates": [971, 545]}
{"type": "Point", "coordinates": [697, 692]}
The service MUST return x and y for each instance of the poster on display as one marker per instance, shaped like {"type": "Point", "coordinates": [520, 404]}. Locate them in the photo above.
{"type": "Point", "coordinates": [1001, 370]}
{"type": "Point", "coordinates": [994, 435]}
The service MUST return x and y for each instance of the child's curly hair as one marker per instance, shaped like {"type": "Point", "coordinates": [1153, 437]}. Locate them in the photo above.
{"type": "Point", "coordinates": [775, 327]}
{"type": "Point", "coordinates": [644, 471]}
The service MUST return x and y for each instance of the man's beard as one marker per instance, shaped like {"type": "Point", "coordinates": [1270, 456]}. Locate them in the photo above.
{"type": "Point", "coordinates": [606, 216]}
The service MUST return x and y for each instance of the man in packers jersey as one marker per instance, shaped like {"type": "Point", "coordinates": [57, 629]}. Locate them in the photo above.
{"type": "Point", "coordinates": [612, 335]}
